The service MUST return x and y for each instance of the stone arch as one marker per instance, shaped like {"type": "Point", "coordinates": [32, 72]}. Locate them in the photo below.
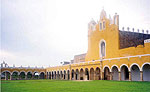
{"type": "Point", "coordinates": [3, 76]}
{"type": "Point", "coordinates": [22, 75]}
{"type": "Point", "coordinates": [64, 74]}
{"type": "Point", "coordinates": [47, 73]}
{"type": "Point", "coordinates": [106, 73]}
{"type": "Point", "coordinates": [15, 71]}
{"type": "Point", "coordinates": [116, 67]}
{"type": "Point", "coordinates": [97, 73]}
{"type": "Point", "coordinates": [144, 64]}
{"type": "Point", "coordinates": [58, 75]}
{"type": "Point", "coordinates": [115, 72]}
{"type": "Point", "coordinates": [23, 71]}
{"type": "Point", "coordinates": [50, 75]}
{"type": "Point", "coordinates": [136, 65]}
{"type": "Point", "coordinates": [61, 74]}
{"type": "Point", "coordinates": [54, 74]}
{"type": "Point", "coordinates": [35, 75]}
{"type": "Point", "coordinates": [29, 75]}
{"type": "Point", "coordinates": [107, 67]}
{"type": "Point", "coordinates": [86, 74]}
{"type": "Point", "coordinates": [72, 74]}
{"type": "Point", "coordinates": [124, 65]}
{"type": "Point", "coordinates": [92, 74]}
{"type": "Point", "coordinates": [7, 71]}
{"type": "Point", "coordinates": [81, 74]}
{"type": "Point", "coordinates": [77, 74]}
{"type": "Point", "coordinates": [124, 72]}
{"type": "Point", "coordinates": [35, 72]}
{"type": "Point", "coordinates": [6, 75]}
{"type": "Point", "coordinates": [42, 75]}
{"type": "Point", "coordinates": [146, 71]}
{"type": "Point", "coordinates": [135, 72]}
{"type": "Point", "coordinates": [43, 72]}
{"type": "Point", "coordinates": [15, 75]}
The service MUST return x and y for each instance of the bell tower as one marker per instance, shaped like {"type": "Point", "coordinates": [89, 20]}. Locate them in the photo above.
{"type": "Point", "coordinates": [103, 37]}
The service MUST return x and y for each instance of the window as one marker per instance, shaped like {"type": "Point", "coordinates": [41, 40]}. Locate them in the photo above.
{"type": "Point", "coordinates": [104, 25]}
{"type": "Point", "coordinates": [102, 48]}
{"type": "Point", "coordinates": [100, 26]}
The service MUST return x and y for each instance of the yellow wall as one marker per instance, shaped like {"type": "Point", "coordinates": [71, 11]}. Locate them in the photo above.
{"type": "Point", "coordinates": [111, 35]}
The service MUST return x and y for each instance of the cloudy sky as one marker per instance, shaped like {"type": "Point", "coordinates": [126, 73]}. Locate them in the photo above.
{"type": "Point", "coordinates": [47, 32]}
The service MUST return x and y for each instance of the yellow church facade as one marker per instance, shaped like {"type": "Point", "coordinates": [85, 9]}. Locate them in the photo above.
{"type": "Point", "coordinates": [112, 54]}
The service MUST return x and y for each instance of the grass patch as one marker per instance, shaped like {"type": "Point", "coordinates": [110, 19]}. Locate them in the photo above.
{"type": "Point", "coordinates": [73, 86]}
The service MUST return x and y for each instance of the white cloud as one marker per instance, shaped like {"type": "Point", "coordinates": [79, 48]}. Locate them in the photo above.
{"type": "Point", "coordinates": [46, 32]}
{"type": "Point", "coordinates": [5, 54]}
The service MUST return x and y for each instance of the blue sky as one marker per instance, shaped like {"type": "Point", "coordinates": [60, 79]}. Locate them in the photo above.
{"type": "Point", "coordinates": [47, 32]}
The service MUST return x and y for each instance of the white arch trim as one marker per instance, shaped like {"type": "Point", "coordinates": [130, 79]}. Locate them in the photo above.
{"type": "Point", "coordinates": [124, 65]}
{"type": "Point", "coordinates": [49, 73]}
{"type": "Point", "coordinates": [136, 65]}
{"type": "Point", "coordinates": [97, 67]}
{"type": "Point", "coordinates": [105, 67]}
{"type": "Point", "coordinates": [35, 72]}
{"type": "Point", "coordinates": [58, 72]}
{"type": "Point", "coordinates": [22, 71]}
{"type": "Point", "coordinates": [15, 71]}
{"type": "Point", "coordinates": [115, 66]}
{"type": "Point", "coordinates": [144, 64]}
{"type": "Point", "coordinates": [91, 68]}
{"type": "Point", "coordinates": [52, 72]}
{"type": "Point", "coordinates": [6, 71]}
{"type": "Point", "coordinates": [77, 69]}
{"type": "Point", "coordinates": [65, 72]}
{"type": "Point", "coordinates": [72, 70]}
{"type": "Point", "coordinates": [86, 68]}
{"type": "Point", "coordinates": [68, 70]}
{"type": "Point", "coordinates": [29, 71]}
{"type": "Point", "coordinates": [81, 69]}
{"type": "Point", "coordinates": [41, 72]}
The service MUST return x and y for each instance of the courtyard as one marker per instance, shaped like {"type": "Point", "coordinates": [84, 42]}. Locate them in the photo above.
{"type": "Point", "coordinates": [73, 86]}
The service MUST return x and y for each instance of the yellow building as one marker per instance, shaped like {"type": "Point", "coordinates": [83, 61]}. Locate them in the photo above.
{"type": "Point", "coordinates": [21, 73]}
{"type": "Point", "coordinates": [112, 54]}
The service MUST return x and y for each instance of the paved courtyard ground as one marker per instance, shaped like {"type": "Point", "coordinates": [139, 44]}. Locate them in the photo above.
{"type": "Point", "coordinates": [73, 86]}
